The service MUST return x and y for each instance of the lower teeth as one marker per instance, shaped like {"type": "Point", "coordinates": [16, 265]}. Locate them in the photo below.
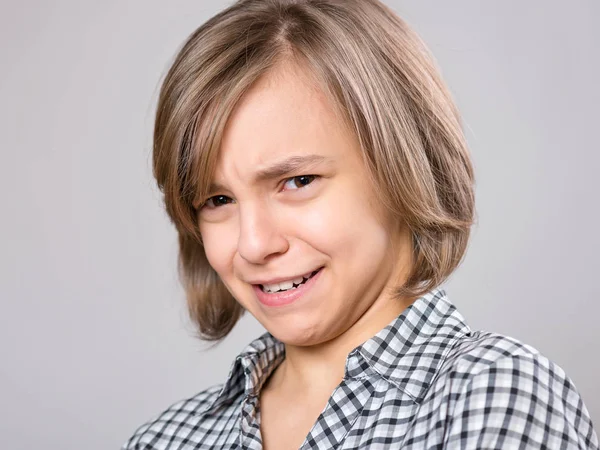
{"type": "Point", "coordinates": [293, 287]}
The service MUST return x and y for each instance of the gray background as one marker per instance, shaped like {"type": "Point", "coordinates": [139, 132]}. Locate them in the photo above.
{"type": "Point", "coordinates": [94, 336]}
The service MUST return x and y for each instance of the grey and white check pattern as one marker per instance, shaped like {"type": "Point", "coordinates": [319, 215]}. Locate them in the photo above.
{"type": "Point", "coordinates": [426, 381]}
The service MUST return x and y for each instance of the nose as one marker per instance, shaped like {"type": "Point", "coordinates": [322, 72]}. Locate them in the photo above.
{"type": "Point", "coordinates": [260, 235]}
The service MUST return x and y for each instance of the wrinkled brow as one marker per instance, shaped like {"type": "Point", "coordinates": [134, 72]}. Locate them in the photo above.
{"type": "Point", "coordinates": [286, 167]}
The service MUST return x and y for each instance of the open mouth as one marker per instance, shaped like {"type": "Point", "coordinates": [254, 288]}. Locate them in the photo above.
{"type": "Point", "coordinates": [288, 285]}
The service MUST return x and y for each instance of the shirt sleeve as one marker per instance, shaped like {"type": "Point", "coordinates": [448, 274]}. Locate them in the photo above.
{"type": "Point", "coordinates": [525, 402]}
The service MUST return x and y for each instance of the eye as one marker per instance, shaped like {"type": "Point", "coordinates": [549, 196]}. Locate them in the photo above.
{"type": "Point", "coordinates": [216, 201]}
{"type": "Point", "coordinates": [299, 181]}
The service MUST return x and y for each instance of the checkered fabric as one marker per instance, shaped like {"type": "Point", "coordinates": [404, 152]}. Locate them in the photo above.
{"type": "Point", "coordinates": [426, 381]}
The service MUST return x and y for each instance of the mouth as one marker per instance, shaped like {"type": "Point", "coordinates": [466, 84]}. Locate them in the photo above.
{"type": "Point", "coordinates": [288, 285]}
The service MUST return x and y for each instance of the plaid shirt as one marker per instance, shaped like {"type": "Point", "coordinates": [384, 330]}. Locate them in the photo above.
{"type": "Point", "coordinates": [425, 381]}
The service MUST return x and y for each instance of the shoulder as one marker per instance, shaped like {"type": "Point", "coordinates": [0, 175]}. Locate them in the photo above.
{"type": "Point", "coordinates": [502, 392]}
{"type": "Point", "coordinates": [501, 361]}
{"type": "Point", "coordinates": [480, 354]}
{"type": "Point", "coordinates": [478, 350]}
{"type": "Point", "coordinates": [165, 426]}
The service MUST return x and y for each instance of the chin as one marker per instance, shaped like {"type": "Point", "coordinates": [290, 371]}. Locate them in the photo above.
{"type": "Point", "coordinates": [293, 332]}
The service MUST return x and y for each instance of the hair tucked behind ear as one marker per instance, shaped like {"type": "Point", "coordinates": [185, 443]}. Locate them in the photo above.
{"type": "Point", "coordinates": [385, 87]}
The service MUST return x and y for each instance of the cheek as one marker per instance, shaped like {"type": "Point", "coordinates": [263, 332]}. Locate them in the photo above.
{"type": "Point", "coordinates": [340, 222]}
{"type": "Point", "coordinates": [219, 246]}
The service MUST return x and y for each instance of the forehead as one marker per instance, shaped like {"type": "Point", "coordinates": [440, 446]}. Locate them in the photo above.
{"type": "Point", "coordinates": [284, 113]}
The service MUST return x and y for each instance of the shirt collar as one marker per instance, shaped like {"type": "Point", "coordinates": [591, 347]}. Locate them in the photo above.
{"type": "Point", "coordinates": [407, 353]}
{"type": "Point", "coordinates": [410, 350]}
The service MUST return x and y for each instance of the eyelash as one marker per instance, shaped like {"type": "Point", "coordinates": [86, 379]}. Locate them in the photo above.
{"type": "Point", "coordinates": [311, 177]}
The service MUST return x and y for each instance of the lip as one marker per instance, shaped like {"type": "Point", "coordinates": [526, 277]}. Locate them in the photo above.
{"type": "Point", "coordinates": [287, 297]}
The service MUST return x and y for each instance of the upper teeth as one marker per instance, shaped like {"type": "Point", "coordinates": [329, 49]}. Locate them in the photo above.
{"type": "Point", "coordinates": [284, 285]}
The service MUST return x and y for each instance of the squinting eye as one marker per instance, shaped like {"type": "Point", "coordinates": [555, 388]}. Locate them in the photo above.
{"type": "Point", "coordinates": [299, 181]}
{"type": "Point", "coordinates": [216, 201]}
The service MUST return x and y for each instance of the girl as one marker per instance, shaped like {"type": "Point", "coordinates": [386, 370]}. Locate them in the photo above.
{"type": "Point", "coordinates": [314, 165]}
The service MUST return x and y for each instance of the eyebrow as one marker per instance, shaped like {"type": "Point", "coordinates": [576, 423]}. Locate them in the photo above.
{"type": "Point", "coordinates": [288, 166]}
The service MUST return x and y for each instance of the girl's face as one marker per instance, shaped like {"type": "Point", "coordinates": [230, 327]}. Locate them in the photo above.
{"type": "Point", "coordinates": [291, 196]}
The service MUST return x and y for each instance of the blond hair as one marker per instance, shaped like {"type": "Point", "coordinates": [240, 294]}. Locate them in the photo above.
{"type": "Point", "coordinates": [384, 84]}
